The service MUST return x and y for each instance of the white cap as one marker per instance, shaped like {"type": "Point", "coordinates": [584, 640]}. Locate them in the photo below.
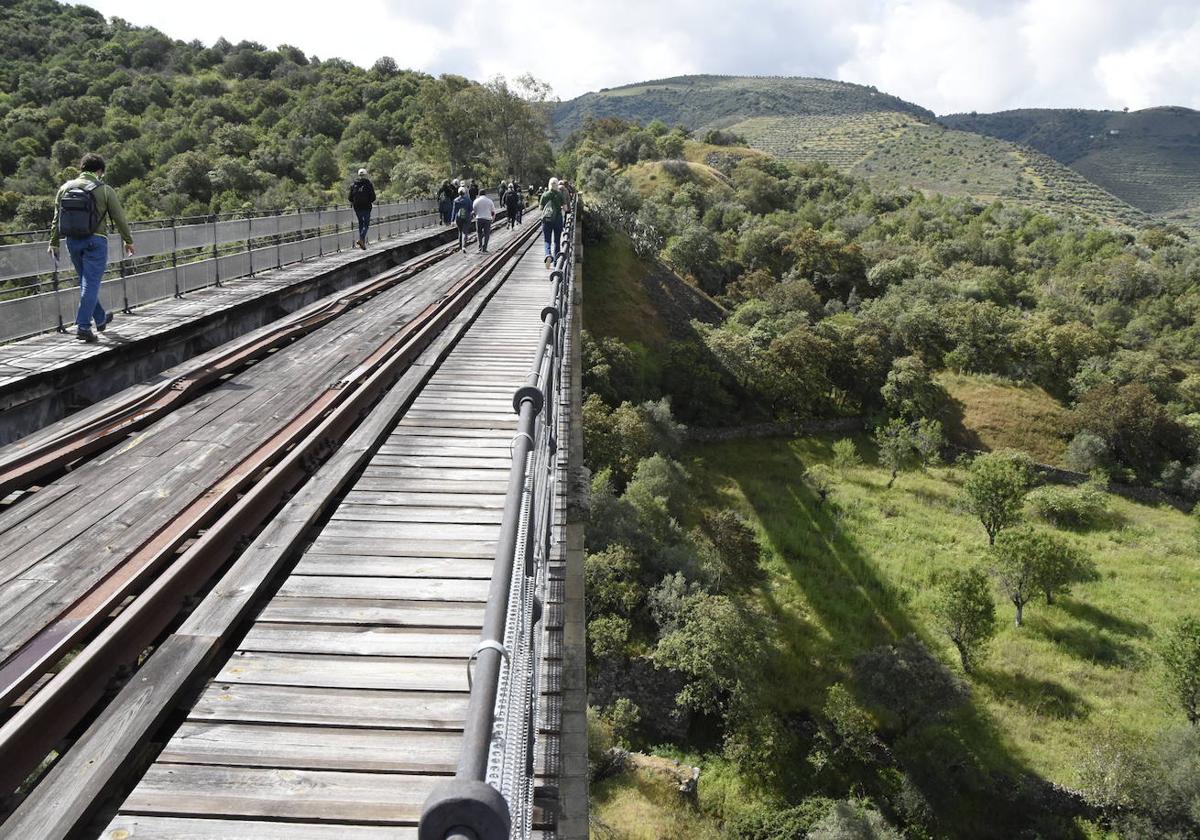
{"type": "Point", "coordinates": [362, 172]}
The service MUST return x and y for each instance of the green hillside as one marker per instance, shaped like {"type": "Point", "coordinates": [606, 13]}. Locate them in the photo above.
{"type": "Point", "coordinates": [862, 131]}
{"type": "Point", "coordinates": [898, 150]}
{"type": "Point", "coordinates": [1148, 158]}
{"type": "Point", "coordinates": [192, 130]}
{"type": "Point", "coordinates": [705, 102]}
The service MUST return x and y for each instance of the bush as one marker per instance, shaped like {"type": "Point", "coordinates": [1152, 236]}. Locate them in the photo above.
{"type": "Point", "coordinates": [1068, 507]}
{"type": "Point", "coordinates": [853, 820]}
{"type": "Point", "coordinates": [771, 822]}
{"type": "Point", "coordinates": [845, 455]}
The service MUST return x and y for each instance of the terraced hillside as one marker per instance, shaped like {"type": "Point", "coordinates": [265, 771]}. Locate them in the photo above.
{"type": "Point", "coordinates": [901, 150]}
{"type": "Point", "coordinates": [1149, 158]}
{"type": "Point", "coordinates": [703, 102]}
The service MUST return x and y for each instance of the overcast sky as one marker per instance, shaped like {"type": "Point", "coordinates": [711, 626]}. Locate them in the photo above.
{"type": "Point", "coordinates": [948, 55]}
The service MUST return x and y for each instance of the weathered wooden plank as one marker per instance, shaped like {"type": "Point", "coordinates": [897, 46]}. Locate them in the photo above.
{"type": "Point", "coordinates": [403, 674]}
{"type": "Point", "coordinates": [367, 566]}
{"type": "Point", "coordinates": [385, 589]}
{"type": "Point", "coordinates": [445, 515]}
{"type": "Point", "coordinates": [358, 641]}
{"type": "Point", "coordinates": [134, 827]}
{"type": "Point", "coordinates": [185, 789]}
{"type": "Point", "coordinates": [384, 498]}
{"type": "Point", "coordinates": [384, 613]}
{"type": "Point", "coordinates": [407, 547]}
{"type": "Point", "coordinates": [313, 747]}
{"type": "Point", "coordinates": [315, 706]}
{"type": "Point", "coordinates": [433, 532]}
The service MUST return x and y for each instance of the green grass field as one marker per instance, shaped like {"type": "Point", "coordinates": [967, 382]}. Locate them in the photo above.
{"type": "Point", "coordinates": [841, 582]}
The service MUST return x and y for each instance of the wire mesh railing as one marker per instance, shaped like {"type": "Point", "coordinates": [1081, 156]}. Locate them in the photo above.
{"type": "Point", "coordinates": [491, 794]}
{"type": "Point", "coordinates": [177, 256]}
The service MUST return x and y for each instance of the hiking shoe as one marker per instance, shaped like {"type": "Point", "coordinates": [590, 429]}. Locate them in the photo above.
{"type": "Point", "coordinates": [548, 261]}
{"type": "Point", "coordinates": [108, 319]}
{"type": "Point", "coordinates": [86, 335]}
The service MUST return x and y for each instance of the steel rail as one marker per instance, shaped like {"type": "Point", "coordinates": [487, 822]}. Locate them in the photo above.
{"type": "Point", "coordinates": [24, 466]}
{"type": "Point", "coordinates": [241, 504]}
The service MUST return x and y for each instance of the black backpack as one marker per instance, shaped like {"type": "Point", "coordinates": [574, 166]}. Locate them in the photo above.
{"type": "Point", "coordinates": [360, 195]}
{"type": "Point", "coordinates": [78, 213]}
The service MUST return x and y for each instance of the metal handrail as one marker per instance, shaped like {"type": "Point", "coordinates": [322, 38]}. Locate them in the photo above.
{"type": "Point", "coordinates": [175, 259]}
{"type": "Point", "coordinates": [490, 796]}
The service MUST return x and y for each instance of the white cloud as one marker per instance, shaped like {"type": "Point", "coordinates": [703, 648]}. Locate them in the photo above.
{"type": "Point", "coordinates": [948, 55]}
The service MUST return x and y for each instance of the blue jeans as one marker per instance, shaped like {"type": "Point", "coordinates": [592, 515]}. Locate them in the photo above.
{"type": "Point", "coordinates": [90, 258]}
{"type": "Point", "coordinates": [549, 230]}
{"type": "Point", "coordinates": [364, 222]}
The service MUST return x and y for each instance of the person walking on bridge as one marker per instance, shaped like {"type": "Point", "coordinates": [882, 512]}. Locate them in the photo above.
{"type": "Point", "coordinates": [462, 217]}
{"type": "Point", "coordinates": [473, 190]}
{"type": "Point", "coordinates": [80, 208]}
{"type": "Point", "coordinates": [512, 205]}
{"type": "Point", "coordinates": [552, 220]}
{"type": "Point", "coordinates": [446, 195]}
{"type": "Point", "coordinates": [362, 197]}
{"type": "Point", "coordinates": [485, 212]}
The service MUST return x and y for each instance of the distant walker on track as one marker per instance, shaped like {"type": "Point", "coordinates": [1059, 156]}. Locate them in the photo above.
{"type": "Point", "coordinates": [362, 199]}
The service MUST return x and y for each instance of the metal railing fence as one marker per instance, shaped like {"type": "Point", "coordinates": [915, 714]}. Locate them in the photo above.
{"type": "Point", "coordinates": [177, 256]}
{"type": "Point", "coordinates": [491, 794]}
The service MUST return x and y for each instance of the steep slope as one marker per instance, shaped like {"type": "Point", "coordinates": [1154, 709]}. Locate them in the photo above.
{"type": "Point", "coordinates": [703, 102]}
{"type": "Point", "coordinates": [1149, 158]}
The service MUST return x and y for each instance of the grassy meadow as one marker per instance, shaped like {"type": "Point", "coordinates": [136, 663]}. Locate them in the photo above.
{"type": "Point", "coordinates": [861, 569]}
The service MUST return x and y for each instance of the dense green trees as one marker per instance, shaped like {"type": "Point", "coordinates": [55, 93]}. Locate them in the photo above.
{"type": "Point", "coordinates": [193, 130]}
{"type": "Point", "coordinates": [848, 299]}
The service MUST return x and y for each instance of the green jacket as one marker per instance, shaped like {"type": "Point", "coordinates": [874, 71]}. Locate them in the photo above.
{"type": "Point", "coordinates": [552, 204]}
{"type": "Point", "coordinates": [107, 204]}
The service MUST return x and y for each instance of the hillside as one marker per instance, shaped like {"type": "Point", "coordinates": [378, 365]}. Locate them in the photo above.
{"type": "Point", "coordinates": [857, 130]}
{"type": "Point", "coordinates": [706, 102]}
{"type": "Point", "coordinates": [1148, 158]}
{"type": "Point", "coordinates": [192, 130]}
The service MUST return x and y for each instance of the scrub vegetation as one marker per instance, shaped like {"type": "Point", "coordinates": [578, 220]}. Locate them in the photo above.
{"type": "Point", "coordinates": [877, 633]}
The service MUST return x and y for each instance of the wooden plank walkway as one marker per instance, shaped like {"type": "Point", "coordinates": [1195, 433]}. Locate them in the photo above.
{"type": "Point", "coordinates": [58, 545]}
{"type": "Point", "coordinates": [344, 703]}
{"type": "Point", "coordinates": [53, 351]}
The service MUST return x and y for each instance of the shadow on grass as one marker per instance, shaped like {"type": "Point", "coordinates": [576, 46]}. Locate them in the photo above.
{"type": "Point", "coordinates": [1103, 619]}
{"type": "Point", "coordinates": [954, 423]}
{"type": "Point", "coordinates": [1086, 644]}
{"type": "Point", "coordinates": [1041, 697]}
{"type": "Point", "coordinates": [970, 776]}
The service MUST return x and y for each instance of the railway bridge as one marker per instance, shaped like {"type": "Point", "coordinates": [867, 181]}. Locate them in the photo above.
{"type": "Point", "coordinates": [291, 551]}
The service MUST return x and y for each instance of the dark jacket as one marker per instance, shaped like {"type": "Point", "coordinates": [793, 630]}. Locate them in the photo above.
{"type": "Point", "coordinates": [511, 200]}
{"type": "Point", "coordinates": [366, 195]}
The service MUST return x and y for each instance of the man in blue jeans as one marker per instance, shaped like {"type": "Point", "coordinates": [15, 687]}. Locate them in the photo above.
{"type": "Point", "coordinates": [80, 208]}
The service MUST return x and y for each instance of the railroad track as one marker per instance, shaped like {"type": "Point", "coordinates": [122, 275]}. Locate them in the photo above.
{"type": "Point", "coordinates": [131, 606]}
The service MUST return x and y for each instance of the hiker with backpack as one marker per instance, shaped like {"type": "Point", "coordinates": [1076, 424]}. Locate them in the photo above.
{"type": "Point", "coordinates": [80, 207]}
{"type": "Point", "coordinates": [362, 197]}
{"type": "Point", "coordinates": [512, 204]}
{"type": "Point", "coordinates": [461, 211]}
{"type": "Point", "coordinates": [552, 220]}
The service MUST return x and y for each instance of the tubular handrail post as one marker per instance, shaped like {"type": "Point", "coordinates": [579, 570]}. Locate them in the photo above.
{"type": "Point", "coordinates": [216, 254]}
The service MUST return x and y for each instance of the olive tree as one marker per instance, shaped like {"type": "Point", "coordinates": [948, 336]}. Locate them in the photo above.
{"type": "Point", "coordinates": [896, 447]}
{"type": "Point", "coordinates": [995, 490]}
{"type": "Point", "coordinates": [967, 614]}
{"type": "Point", "coordinates": [1180, 654]}
{"type": "Point", "coordinates": [1024, 560]}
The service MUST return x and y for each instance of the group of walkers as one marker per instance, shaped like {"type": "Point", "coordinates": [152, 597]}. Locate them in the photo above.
{"type": "Point", "coordinates": [82, 206]}
{"type": "Point", "coordinates": [462, 201]}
